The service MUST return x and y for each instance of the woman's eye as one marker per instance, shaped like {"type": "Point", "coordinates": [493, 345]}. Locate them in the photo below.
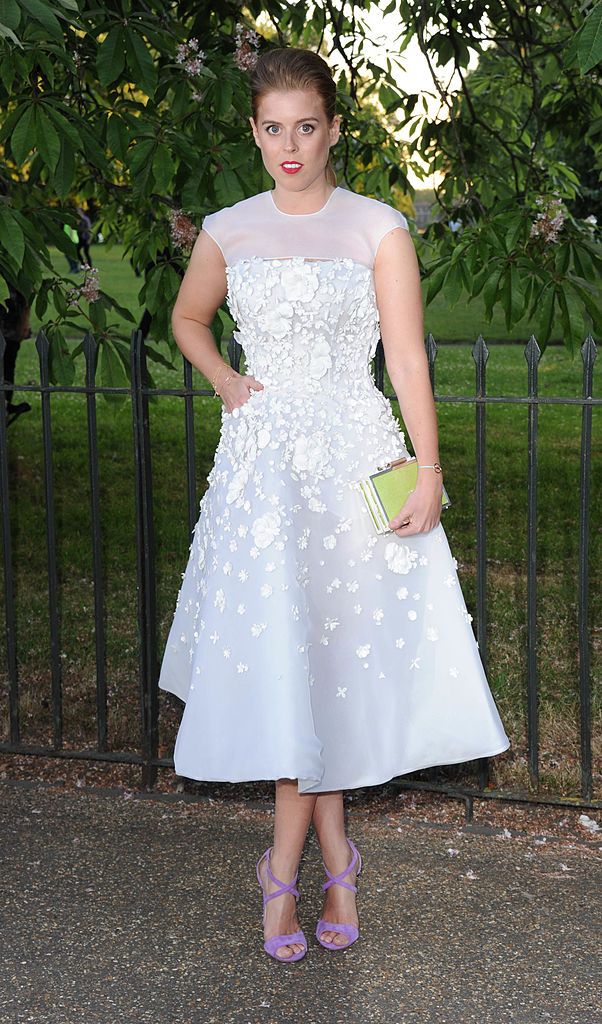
{"type": "Point", "coordinates": [269, 128]}
{"type": "Point", "coordinates": [310, 126]}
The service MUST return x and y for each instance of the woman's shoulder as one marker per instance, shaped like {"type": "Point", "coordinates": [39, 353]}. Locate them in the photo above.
{"type": "Point", "coordinates": [235, 210]}
{"type": "Point", "coordinates": [375, 211]}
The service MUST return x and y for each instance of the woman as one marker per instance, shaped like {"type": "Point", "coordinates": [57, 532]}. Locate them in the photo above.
{"type": "Point", "coordinates": [301, 654]}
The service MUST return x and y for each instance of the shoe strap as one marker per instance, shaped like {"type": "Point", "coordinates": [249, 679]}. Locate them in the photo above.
{"type": "Point", "coordinates": [338, 879]}
{"type": "Point", "coordinates": [284, 886]}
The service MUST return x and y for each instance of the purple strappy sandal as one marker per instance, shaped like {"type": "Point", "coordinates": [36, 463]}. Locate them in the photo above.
{"type": "Point", "coordinates": [350, 930]}
{"type": "Point", "coordinates": [271, 945]}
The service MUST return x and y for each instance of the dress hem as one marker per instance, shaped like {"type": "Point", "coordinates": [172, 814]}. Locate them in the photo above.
{"type": "Point", "coordinates": [355, 785]}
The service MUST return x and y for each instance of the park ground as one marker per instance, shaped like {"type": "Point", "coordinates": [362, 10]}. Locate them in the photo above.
{"type": "Point", "coordinates": [121, 906]}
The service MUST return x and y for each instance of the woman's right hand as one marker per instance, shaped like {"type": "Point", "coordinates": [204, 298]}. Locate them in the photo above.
{"type": "Point", "coordinates": [236, 391]}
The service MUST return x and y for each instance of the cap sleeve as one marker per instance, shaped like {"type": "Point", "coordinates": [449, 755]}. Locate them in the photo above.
{"type": "Point", "coordinates": [213, 224]}
{"type": "Point", "coordinates": [387, 220]}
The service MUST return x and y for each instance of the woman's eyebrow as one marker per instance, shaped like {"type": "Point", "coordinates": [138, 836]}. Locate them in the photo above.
{"type": "Point", "coordinates": [300, 121]}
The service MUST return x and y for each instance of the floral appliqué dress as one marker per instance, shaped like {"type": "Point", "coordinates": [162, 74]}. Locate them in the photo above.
{"type": "Point", "coordinates": [303, 644]}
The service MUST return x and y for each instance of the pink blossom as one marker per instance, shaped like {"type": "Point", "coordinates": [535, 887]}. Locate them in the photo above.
{"type": "Point", "coordinates": [189, 55]}
{"type": "Point", "coordinates": [247, 41]}
{"type": "Point", "coordinates": [183, 231]}
{"type": "Point", "coordinates": [549, 220]}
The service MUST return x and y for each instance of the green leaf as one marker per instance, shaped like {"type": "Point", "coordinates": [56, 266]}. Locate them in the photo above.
{"type": "Point", "coordinates": [434, 282]}
{"type": "Point", "coordinates": [7, 33]}
{"type": "Point", "coordinates": [62, 124]}
{"type": "Point", "coordinates": [12, 236]}
{"type": "Point", "coordinates": [48, 142]}
{"type": "Point", "coordinates": [111, 303]}
{"type": "Point", "coordinates": [163, 168]}
{"type": "Point", "coordinates": [140, 157]}
{"type": "Point", "coordinates": [22, 138]}
{"type": "Point", "coordinates": [590, 40]}
{"type": "Point", "coordinates": [571, 314]}
{"type": "Point", "coordinates": [10, 15]}
{"type": "Point", "coordinates": [110, 59]}
{"type": "Point", "coordinates": [60, 364]}
{"type": "Point", "coordinates": [141, 65]}
{"type": "Point", "coordinates": [112, 371]}
{"type": "Point", "coordinates": [97, 314]}
{"type": "Point", "coordinates": [42, 13]}
{"type": "Point", "coordinates": [545, 317]}
{"type": "Point", "coordinates": [65, 171]}
{"type": "Point", "coordinates": [118, 136]}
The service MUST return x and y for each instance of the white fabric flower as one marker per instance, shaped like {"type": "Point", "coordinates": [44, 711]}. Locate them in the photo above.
{"type": "Point", "coordinates": [400, 558]}
{"type": "Point", "coordinates": [265, 529]}
{"type": "Point", "coordinates": [276, 319]}
{"type": "Point", "coordinates": [301, 283]}
{"type": "Point", "coordinates": [319, 360]}
{"type": "Point", "coordinates": [310, 454]}
{"type": "Point", "coordinates": [363, 651]}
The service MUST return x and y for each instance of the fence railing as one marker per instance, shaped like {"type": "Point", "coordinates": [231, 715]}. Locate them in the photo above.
{"type": "Point", "coordinates": [139, 394]}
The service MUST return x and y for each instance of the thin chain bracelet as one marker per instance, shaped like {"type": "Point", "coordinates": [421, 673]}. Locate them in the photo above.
{"type": "Point", "coordinates": [213, 382]}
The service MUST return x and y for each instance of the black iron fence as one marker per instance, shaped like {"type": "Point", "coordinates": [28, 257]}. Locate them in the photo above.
{"type": "Point", "coordinates": [140, 395]}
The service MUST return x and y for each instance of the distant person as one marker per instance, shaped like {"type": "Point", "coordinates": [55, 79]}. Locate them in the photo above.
{"type": "Point", "coordinates": [72, 234]}
{"type": "Point", "coordinates": [84, 236]}
{"type": "Point", "coordinates": [14, 325]}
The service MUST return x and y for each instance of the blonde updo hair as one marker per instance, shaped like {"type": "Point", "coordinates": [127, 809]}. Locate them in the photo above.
{"type": "Point", "coordinates": [291, 67]}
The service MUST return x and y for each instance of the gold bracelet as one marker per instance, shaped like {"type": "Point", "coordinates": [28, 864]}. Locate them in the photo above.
{"type": "Point", "coordinates": [225, 381]}
{"type": "Point", "coordinates": [213, 382]}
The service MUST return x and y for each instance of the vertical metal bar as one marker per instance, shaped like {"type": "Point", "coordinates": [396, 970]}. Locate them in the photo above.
{"type": "Point", "coordinates": [588, 353]}
{"type": "Point", "coordinates": [151, 690]}
{"type": "Point", "coordinates": [7, 565]}
{"type": "Point", "coordinates": [190, 446]}
{"type": "Point", "coordinates": [431, 354]}
{"type": "Point", "coordinates": [480, 354]}
{"type": "Point", "coordinates": [532, 355]}
{"type": "Point", "coordinates": [90, 347]}
{"type": "Point", "coordinates": [43, 348]}
{"type": "Point", "coordinates": [379, 366]}
{"type": "Point", "coordinates": [135, 341]}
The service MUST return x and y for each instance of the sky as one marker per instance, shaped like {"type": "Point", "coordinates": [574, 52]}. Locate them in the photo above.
{"type": "Point", "coordinates": [414, 74]}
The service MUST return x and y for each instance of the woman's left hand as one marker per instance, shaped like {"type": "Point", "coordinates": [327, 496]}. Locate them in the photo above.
{"type": "Point", "coordinates": [422, 509]}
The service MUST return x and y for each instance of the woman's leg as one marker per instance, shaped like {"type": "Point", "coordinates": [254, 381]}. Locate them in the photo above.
{"type": "Point", "coordinates": [339, 902]}
{"type": "Point", "coordinates": [293, 813]}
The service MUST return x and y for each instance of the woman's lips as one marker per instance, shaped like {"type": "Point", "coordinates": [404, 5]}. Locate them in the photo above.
{"type": "Point", "coordinates": [291, 166]}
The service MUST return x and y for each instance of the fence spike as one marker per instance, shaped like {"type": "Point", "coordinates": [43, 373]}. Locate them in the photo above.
{"type": "Point", "coordinates": [480, 352]}
{"type": "Point", "coordinates": [589, 353]}
{"type": "Point", "coordinates": [532, 351]}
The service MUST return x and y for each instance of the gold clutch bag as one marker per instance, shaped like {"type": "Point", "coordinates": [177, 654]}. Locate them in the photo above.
{"type": "Point", "coordinates": [386, 491]}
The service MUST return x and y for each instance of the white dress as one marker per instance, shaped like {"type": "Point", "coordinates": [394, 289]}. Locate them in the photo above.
{"type": "Point", "coordinates": [303, 644]}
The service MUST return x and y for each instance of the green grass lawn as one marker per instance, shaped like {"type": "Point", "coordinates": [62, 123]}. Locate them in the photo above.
{"type": "Point", "coordinates": [558, 518]}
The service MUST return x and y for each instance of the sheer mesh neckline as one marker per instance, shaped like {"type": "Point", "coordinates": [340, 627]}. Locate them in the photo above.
{"type": "Point", "coordinates": [314, 214]}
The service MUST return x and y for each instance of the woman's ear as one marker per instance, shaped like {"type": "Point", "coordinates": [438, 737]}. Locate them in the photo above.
{"type": "Point", "coordinates": [335, 127]}
{"type": "Point", "coordinates": [254, 130]}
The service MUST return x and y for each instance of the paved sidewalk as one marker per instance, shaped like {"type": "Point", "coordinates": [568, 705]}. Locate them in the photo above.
{"type": "Point", "coordinates": [127, 911]}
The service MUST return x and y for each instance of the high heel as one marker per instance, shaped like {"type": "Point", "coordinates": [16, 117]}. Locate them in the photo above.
{"type": "Point", "coordinates": [350, 930]}
{"type": "Point", "coordinates": [271, 945]}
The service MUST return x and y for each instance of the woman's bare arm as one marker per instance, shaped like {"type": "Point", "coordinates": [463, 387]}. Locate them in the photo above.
{"type": "Point", "coordinates": [399, 300]}
{"type": "Point", "coordinates": [201, 293]}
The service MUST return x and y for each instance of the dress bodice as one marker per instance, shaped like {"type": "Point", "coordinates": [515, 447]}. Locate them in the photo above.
{"type": "Point", "coordinates": [301, 287]}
